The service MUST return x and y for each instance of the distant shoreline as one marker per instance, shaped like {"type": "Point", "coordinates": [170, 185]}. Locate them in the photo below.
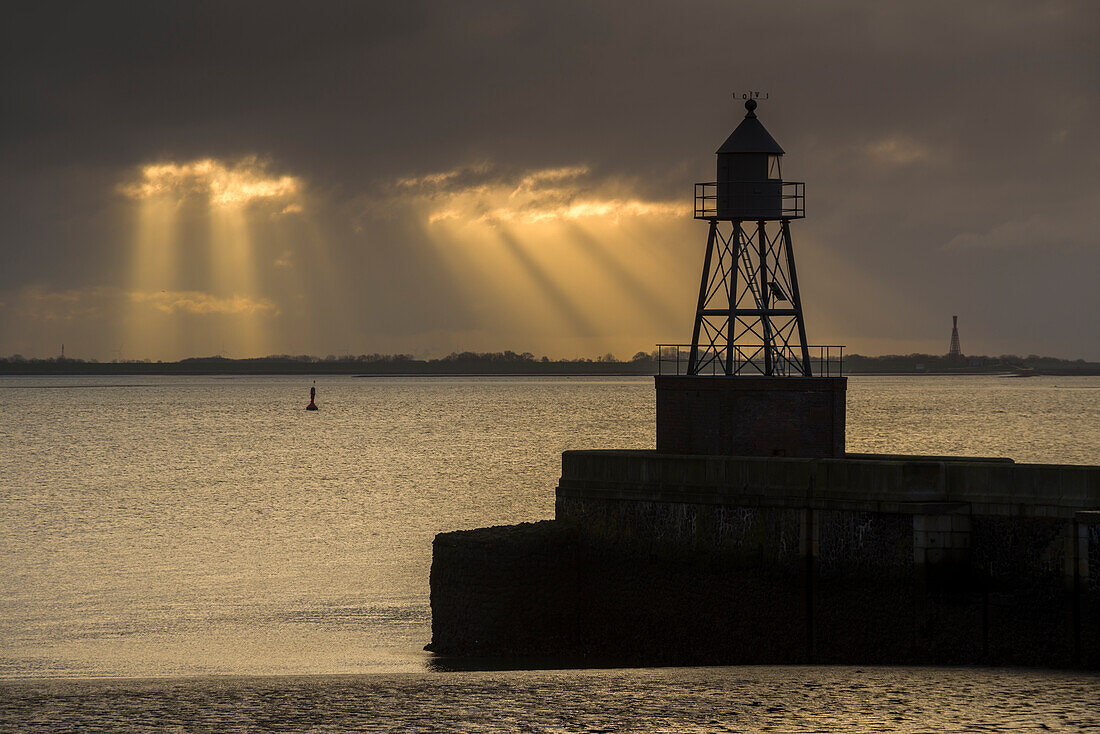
{"type": "Point", "coordinates": [489, 364]}
{"type": "Point", "coordinates": [549, 373]}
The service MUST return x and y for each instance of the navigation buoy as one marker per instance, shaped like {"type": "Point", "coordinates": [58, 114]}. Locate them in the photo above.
{"type": "Point", "coordinates": [312, 397]}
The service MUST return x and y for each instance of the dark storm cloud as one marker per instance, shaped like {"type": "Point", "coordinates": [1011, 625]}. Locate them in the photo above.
{"type": "Point", "coordinates": [949, 148]}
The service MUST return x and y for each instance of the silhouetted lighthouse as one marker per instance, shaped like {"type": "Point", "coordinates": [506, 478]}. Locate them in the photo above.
{"type": "Point", "coordinates": [749, 316]}
{"type": "Point", "coordinates": [750, 384]}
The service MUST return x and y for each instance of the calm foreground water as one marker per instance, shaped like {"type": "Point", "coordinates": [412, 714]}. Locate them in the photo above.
{"type": "Point", "coordinates": [179, 528]}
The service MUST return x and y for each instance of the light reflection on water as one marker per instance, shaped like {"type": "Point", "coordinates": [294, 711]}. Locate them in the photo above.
{"type": "Point", "coordinates": [788, 699]}
{"type": "Point", "coordinates": [193, 526]}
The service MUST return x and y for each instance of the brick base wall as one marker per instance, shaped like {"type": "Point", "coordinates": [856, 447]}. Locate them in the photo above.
{"type": "Point", "coordinates": [751, 416]}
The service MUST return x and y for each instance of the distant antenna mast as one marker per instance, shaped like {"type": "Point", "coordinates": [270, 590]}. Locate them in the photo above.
{"type": "Point", "coordinates": [956, 351]}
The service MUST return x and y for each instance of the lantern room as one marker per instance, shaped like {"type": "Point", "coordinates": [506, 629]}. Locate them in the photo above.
{"type": "Point", "coordinates": [750, 182]}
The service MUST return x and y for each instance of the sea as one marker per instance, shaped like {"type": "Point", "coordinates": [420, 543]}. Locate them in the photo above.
{"type": "Point", "coordinates": [202, 554]}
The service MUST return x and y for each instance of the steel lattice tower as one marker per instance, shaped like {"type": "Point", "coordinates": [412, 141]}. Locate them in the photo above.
{"type": "Point", "coordinates": [955, 352]}
{"type": "Point", "coordinates": [749, 315]}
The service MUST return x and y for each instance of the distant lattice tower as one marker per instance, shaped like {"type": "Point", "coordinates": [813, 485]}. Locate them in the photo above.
{"type": "Point", "coordinates": [750, 384]}
{"type": "Point", "coordinates": [955, 352]}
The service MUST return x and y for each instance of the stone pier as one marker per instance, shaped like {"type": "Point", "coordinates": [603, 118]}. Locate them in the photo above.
{"type": "Point", "coordinates": [684, 559]}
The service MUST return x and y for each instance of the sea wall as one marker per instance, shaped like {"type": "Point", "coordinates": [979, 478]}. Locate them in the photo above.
{"type": "Point", "coordinates": [507, 590]}
{"type": "Point", "coordinates": [692, 559]}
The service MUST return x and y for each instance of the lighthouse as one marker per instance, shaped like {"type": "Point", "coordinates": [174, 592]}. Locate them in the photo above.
{"type": "Point", "coordinates": [750, 383]}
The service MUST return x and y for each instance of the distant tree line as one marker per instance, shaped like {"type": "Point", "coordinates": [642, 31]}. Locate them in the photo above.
{"type": "Point", "coordinates": [967, 364]}
{"type": "Point", "coordinates": [509, 362]}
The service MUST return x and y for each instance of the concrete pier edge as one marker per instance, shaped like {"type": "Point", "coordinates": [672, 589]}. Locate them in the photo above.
{"type": "Point", "coordinates": [685, 559]}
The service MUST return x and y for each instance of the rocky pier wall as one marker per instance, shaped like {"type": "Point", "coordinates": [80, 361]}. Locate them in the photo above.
{"type": "Point", "coordinates": [679, 559]}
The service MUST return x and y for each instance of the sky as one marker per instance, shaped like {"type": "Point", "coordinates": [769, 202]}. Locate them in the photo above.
{"type": "Point", "coordinates": [252, 178]}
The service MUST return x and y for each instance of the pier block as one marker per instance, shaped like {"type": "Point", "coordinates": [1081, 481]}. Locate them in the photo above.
{"type": "Point", "coordinates": [751, 416]}
{"type": "Point", "coordinates": [703, 559]}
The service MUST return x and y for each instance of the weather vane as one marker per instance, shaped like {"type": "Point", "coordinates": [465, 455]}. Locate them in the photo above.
{"type": "Point", "coordinates": [750, 94]}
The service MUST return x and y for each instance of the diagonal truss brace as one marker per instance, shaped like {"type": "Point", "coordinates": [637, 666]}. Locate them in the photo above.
{"type": "Point", "coordinates": [749, 314]}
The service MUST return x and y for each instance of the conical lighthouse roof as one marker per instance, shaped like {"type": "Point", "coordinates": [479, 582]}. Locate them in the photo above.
{"type": "Point", "coordinates": [750, 136]}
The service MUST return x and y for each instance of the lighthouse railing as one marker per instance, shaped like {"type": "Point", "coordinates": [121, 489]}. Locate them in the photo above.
{"type": "Point", "coordinates": [751, 200]}
{"type": "Point", "coordinates": [826, 360]}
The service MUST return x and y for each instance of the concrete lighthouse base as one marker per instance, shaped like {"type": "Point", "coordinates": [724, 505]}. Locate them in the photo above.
{"type": "Point", "coordinates": [751, 416]}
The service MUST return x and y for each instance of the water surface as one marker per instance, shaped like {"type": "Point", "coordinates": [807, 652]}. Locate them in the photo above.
{"type": "Point", "coordinates": [172, 527]}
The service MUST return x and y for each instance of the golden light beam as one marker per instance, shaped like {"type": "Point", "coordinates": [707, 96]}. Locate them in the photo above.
{"type": "Point", "coordinates": [153, 263]}
{"type": "Point", "coordinates": [229, 193]}
{"type": "Point", "coordinates": [526, 252]}
{"type": "Point", "coordinates": [302, 258]}
{"type": "Point", "coordinates": [489, 283]}
{"type": "Point", "coordinates": [154, 255]}
{"type": "Point", "coordinates": [233, 275]}
{"type": "Point", "coordinates": [651, 300]}
{"type": "Point", "coordinates": [562, 306]}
